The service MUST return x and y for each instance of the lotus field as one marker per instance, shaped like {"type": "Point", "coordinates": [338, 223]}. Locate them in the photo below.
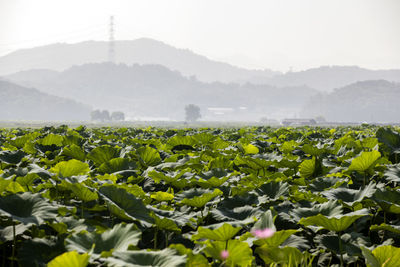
{"type": "Point", "coordinates": [254, 196]}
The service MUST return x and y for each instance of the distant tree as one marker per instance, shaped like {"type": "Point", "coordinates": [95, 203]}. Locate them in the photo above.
{"type": "Point", "coordinates": [95, 115]}
{"type": "Point", "coordinates": [105, 115]}
{"type": "Point", "coordinates": [117, 116]}
{"type": "Point", "coordinates": [192, 113]}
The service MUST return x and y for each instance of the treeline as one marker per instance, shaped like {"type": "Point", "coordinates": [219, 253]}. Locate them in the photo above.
{"type": "Point", "coordinates": [104, 115]}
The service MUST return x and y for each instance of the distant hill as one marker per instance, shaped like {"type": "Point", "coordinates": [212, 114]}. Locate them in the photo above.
{"type": "Point", "coordinates": [20, 103]}
{"type": "Point", "coordinates": [369, 101]}
{"type": "Point", "coordinates": [154, 90]}
{"type": "Point", "coordinates": [329, 78]}
{"type": "Point", "coordinates": [62, 56]}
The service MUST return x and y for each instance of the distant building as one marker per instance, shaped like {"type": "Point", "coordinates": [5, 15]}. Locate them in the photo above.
{"type": "Point", "coordinates": [298, 122]}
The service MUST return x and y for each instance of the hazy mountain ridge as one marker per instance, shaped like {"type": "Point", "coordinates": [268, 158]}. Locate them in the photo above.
{"type": "Point", "coordinates": [327, 78]}
{"type": "Point", "coordinates": [154, 90]}
{"type": "Point", "coordinates": [21, 103]}
{"type": "Point", "coordinates": [370, 101]}
{"type": "Point", "coordinates": [139, 51]}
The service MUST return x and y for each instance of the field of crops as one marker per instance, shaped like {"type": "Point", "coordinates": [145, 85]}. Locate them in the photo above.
{"type": "Point", "coordinates": [200, 197]}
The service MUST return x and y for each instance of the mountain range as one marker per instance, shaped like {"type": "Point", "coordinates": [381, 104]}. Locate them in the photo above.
{"type": "Point", "coordinates": [62, 56]}
{"type": "Point", "coordinates": [21, 103]}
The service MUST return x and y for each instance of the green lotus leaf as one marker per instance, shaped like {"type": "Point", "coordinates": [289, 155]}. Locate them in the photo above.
{"type": "Point", "coordinates": [74, 152]}
{"type": "Point", "coordinates": [119, 238]}
{"type": "Point", "coordinates": [313, 150]}
{"type": "Point", "coordinates": [250, 149]}
{"type": "Point", "coordinates": [277, 239]}
{"type": "Point", "coordinates": [388, 200]}
{"type": "Point", "coordinates": [161, 258]}
{"type": "Point", "coordinates": [240, 254]}
{"type": "Point", "coordinates": [149, 156]}
{"type": "Point", "coordinates": [70, 168]}
{"type": "Point", "coordinates": [70, 259]}
{"type": "Point", "coordinates": [330, 208]}
{"type": "Point", "coordinates": [336, 223]}
{"type": "Point", "coordinates": [125, 205]}
{"type": "Point", "coordinates": [387, 256]}
{"type": "Point", "coordinates": [51, 139]}
{"type": "Point", "coordinates": [223, 233]}
{"type": "Point", "coordinates": [266, 221]}
{"type": "Point", "coordinates": [181, 140]}
{"type": "Point", "coordinates": [365, 162]}
{"type": "Point", "coordinates": [39, 251]}
{"type": "Point", "coordinates": [283, 256]}
{"type": "Point", "coordinates": [82, 192]}
{"type": "Point", "coordinates": [103, 154]}
{"type": "Point", "coordinates": [12, 157]}
{"type": "Point", "coordinates": [389, 137]}
{"type": "Point", "coordinates": [351, 196]}
{"type": "Point", "coordinates": [201, 201]}
{"type": "Point", "coordinates": [272, 191]}
{"type": "Point", "coordinates": [162, 196]}
{"type": "Point", "coordinates": [386, 227]}
{"type": "Point", "coordinates": [165, 224]}
{"type": "Point", "coordinates": [116, 165]}
{"type": "Point", "coordinates": [310, 168]}
{"type": "Point", "coordinates": [27, 208]}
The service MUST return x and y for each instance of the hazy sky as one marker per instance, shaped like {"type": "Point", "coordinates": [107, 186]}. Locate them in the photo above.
{"type": "Point", "coordinates": [276, 34]}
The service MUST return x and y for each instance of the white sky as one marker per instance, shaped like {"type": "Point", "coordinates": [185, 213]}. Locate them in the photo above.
{"type": "Point", "coordinates": [276, 34]}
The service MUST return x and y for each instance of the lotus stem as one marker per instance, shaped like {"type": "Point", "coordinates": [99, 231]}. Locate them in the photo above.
{"type": "Point", "coordinates": [340, 249]}
{"type": "Point", "coordinates": [155, 238]}
{"type": "Point", "coordinates": [166, 239]}
{"type": "Point", "coordinates": [13, 248]}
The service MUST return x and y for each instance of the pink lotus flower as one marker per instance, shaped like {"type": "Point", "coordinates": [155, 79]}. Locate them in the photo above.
{"type": "Point", "coordinates": [224, 254]}
{"type": "Point", "coordinates": [263, 233]}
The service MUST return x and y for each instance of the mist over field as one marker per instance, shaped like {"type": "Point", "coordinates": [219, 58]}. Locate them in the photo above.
{"type": "Point", "coordinates": [105, 76]}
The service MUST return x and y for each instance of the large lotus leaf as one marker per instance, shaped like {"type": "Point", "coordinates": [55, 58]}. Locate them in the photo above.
{"type": "Point", "coordinates": [283, 256]}
{"type": "Point", "coordinates": [365, 162]}
{"type": "Point", "coordinates": [252, 163]}
{"type": "Point", "coordinates": [74, 152]}
{"type": "Point", "coordinates": [12, 157]}
{"type": "Point", "coordinates": [310, 168]}
{"type": "Point", "coordinates": [82, 192]}
{"type": "Point", "coordinates": [201, 201]}
{"type": "Point", "coordinates": [331, 242]}
{"type": "Point", "coordinates": [334, 223]}
{"type": "Point", "coordinates": [141, 258]}
{"type": "Point", "coordinates": [250, 149]}
{"type": "Point", "coordinates": [389, 200]}
{"type": "Point", "coordinates": [272, 191]}
{"type": "Point", "coordinates": [321, 184]}
{"type": "Point", "coordinates": [276, 240]}
{"type": "Point", "coordinates": [165, 224]}
{"type": "Point", "coordinates": [330, 208]}
{"type": "Point", "coordinates": [393, 174]}
{"type": "Point", "coordinates": [204, 138]}
{"type": "Point", "coordinates": [386, 227]}
{"type": "Point", "coordinates": [181, 140]}
{"type": "Point", "coordinates": [51, 139]}
{"type": "Point", "coordinates": [103, 154]}
{"type": "Point", "coordinates": [70, 168]}
{"type": "Point", "coordinates": [389, 137]}
{"type": "Point", "coordinates": [70, 259]}
{"type": "Point", "coordinates": [27, 208]}
{"type": "Point", "coordinates": [350, 196]}
{"type": "Point", "coordinates": [116, 165]}
{"type": "Point", "coordinates": [383, 256]}
{"type": "Point", "coordinates": [119, 238]}
{"type": "Point", "coordinates": [223, 233]}
{"type": "Point", "coordinates": [124, 205]}
{"type": "Point", "coordinates": [162, 196]}
{"type": "Point", "coordinates": [10, 186]}
{"type": "Point", "coordinates": [149, 156]}
{"type": "Point", "coordinates": [39, 251]}
{"type": "Point", "coordinates": [240, 254]}
{"type": "Point", "coordinates": [265, 221]}
{"type": "Point", "coordinates": [313, 150]}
